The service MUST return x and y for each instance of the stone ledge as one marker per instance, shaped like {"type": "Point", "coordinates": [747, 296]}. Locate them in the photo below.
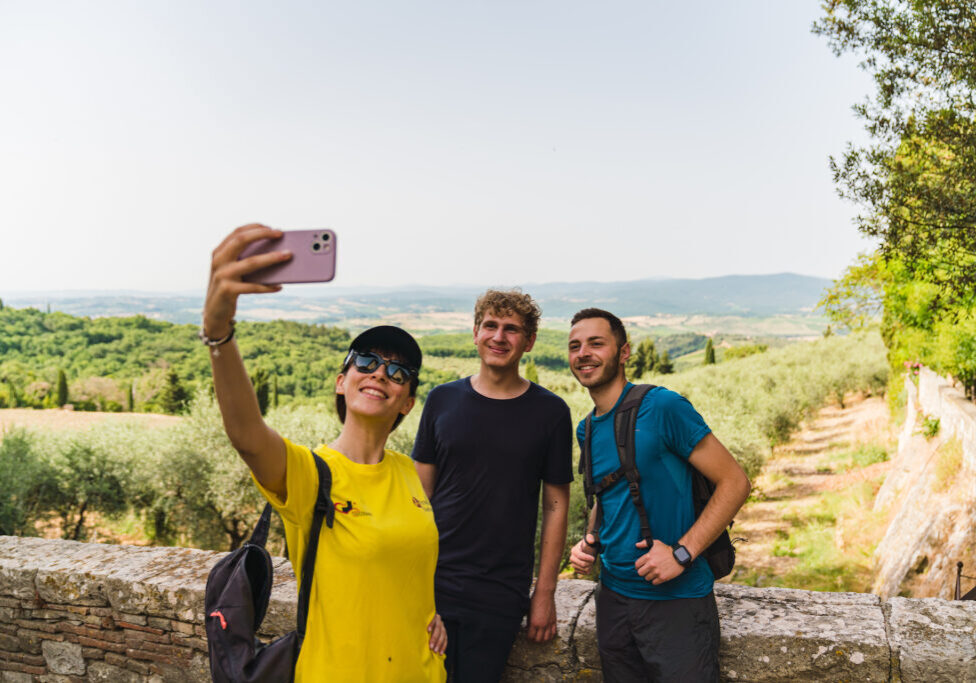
{"type": "Point", "coordinates": [768, 634]}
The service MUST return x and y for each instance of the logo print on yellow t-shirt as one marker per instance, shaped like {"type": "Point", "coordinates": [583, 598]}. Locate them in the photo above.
{"type": "Point", "coordinates": [422, 504]}
{"type": "Point", "coordinates": [349, 507]}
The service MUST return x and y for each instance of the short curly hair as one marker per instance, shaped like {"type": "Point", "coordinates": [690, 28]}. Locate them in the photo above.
{"type": "Point", "coordinates": [509, 302]}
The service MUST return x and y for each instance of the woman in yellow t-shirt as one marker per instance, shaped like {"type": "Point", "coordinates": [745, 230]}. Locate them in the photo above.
{"type": "Point", "coordinates": [371, 613]}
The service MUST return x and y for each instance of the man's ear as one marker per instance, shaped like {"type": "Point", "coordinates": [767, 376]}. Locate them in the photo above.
{"type": "Point", "coordinates": [624, 353]}
{"type": "Point", "coordinates": [529, 344]}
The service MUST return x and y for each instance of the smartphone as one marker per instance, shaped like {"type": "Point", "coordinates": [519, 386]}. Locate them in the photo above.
{"type": "Point", "coordinates": [313, 257]}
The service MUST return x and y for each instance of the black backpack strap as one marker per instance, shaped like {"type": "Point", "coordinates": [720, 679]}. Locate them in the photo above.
{"type": "Point", "coordinates": [260, 534]}
{"type": "Point", "coordinates": [586, 469]}
{"type": "Point", "coordinates": [324, 510]}
{"type": "Point", "coordinates": [624, 423]}
{"type": "Point", "coordinates": [586, 460]}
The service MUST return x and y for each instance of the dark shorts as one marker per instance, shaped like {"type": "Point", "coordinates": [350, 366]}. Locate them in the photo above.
{"type": "Point", "coordinates": [657, 640]}
{"type": "Point", "coordinates": [478, 643]}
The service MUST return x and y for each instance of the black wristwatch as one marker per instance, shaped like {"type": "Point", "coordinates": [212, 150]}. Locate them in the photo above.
{"type": "Point", "coordinates": [681, 556]}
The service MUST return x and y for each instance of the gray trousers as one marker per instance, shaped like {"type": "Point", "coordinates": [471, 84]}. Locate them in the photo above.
{"type": "Point", "coordinates": [657, 640]}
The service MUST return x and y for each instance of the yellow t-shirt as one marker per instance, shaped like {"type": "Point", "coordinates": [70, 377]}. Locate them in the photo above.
{"type": "Point", "coordinates": [373, 587]}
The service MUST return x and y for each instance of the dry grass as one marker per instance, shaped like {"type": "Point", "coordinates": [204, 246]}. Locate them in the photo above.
{"type": "Point", "coordinates": [74, 420]}
{"type": "Point", "coordinates": [810, 523]}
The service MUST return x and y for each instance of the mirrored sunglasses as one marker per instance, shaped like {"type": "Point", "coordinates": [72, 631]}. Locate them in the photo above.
{"type": "Point", "coordinates": [366, 363]}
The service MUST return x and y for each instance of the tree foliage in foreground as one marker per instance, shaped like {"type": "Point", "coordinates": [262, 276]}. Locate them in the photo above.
{"type": "Point", "coordinates": [915, 179]}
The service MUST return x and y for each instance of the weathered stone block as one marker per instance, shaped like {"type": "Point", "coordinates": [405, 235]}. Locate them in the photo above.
{"type": "Point", "coordinates": [162, 582]}
{"type": "Point", "coordinates": [16, 581]}
{"type": "Point", "coordinates": [159, 623]}
{"type": "Point", "coordinates": [932, 640]}
{"type": "Point", "coordinates": [778, 634]}
{"type": "Point", "coordinates": [527, 655]}
{"type": "Point", "coordinates": [584, 637]}
{"type": "Point", "coordinates": [100, 672]}
{"type": "Point", "coordinates": [63, 658]}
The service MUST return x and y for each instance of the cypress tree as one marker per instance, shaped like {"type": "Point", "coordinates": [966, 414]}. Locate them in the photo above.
{"type": "Point", "coordinates": [14, 395]}
{"type": "Point", "coordinates": [709, 352]}
{"type": "Point", "coordinates": [645, 358]}
{"type": "Point", "coordinates": [664, 364]}
{"type": "Point", "coordinates": [173, 398]}
{"type": "Point", "coordinates": [531, 371]}
{"type": "Point", "coordinates": [274, 391]}
{"type": "Point", "coordinates": [261, 388]}
{"type": "Point", "coordinates": [62, 389]}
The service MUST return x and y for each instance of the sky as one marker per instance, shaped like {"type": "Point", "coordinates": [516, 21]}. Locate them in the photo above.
{"type": "Point", "coordinates": [445, 143]}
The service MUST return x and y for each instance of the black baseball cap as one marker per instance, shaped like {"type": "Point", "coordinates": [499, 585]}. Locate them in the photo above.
{"type": "Point", "coordinates": [385, 338]}
{"type": "Point", "coordinates": [390, 338]}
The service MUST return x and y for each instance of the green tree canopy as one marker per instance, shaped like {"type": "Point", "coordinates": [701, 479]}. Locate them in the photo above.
{"type": "Point", "coordinates": [916, 179]}
{"type": "Point", "coordinates": [644, 358]}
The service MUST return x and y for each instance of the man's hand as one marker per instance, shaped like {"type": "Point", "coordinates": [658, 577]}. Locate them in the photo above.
{"type": "Point", "coordinates": [658, 564]}
{"type": "Point", "coordinates": [542, 615]}
{"type": "Point", "coordinates": [582, 556]}
{"type": "Point", "coordinates": [438, 635]}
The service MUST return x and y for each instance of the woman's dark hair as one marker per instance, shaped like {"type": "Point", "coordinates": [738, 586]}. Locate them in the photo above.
{"type": "Point", "coordinates": [340, 400]}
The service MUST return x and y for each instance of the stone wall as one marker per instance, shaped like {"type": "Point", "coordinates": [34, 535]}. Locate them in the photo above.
{"type": "Point", "coordinates": [929, 497]}
{"type": "Point", "coordinates": [72, 612]}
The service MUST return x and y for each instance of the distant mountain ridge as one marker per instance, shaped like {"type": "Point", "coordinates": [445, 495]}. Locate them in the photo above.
{"type": "Point", "coordinates": [735, 295]}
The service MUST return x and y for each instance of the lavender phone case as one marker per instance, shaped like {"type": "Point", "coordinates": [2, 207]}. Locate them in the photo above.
{"type": "Point", "coordinates": [313, 257]}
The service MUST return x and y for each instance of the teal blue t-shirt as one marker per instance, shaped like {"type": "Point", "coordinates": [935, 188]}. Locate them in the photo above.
{"type": "Point", "coordinates": [668, 429]}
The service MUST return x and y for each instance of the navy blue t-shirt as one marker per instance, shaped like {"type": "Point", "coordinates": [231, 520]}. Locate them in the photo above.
{"type": "Point", "coordinates": [491, 455]}
{"type": "Point", "coordinates": [668, 429]}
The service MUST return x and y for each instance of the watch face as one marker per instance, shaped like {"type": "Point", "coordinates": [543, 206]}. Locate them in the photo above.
{"type": "Point", "coordinates": [682, 556]}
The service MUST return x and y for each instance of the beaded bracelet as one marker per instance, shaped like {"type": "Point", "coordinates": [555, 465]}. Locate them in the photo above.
{"type": "Point", "coordinates": [214, 343]}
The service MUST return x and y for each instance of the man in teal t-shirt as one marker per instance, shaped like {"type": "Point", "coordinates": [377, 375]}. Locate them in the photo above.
{"type": "Point", "coordinates": [656, 614]}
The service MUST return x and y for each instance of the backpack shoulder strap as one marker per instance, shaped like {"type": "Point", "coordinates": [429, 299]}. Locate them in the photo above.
{"type": "Point", "coordinates": [260, 534]}
{"type": "Point", "coordinates": [624, 424]}
{"type": "Point", "coordinates": [586, 459]}
{"type": "Point", "coordinates": [591, 526]}
{"type": "Point", "coordinates": [324, 510]}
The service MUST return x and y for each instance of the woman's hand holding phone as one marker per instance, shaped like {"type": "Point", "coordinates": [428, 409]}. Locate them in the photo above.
{"type": "Point", "coordinates": [227, 272]}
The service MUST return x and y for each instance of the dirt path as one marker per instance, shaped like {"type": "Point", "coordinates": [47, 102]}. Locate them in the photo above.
{"type": "Point", "coordinates": [70, 419]}
{"type": "Point", "coordinates": [832, 452]}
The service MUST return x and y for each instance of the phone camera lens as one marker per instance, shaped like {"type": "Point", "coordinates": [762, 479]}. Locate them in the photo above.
{"type": "Point", "coordinates": [326, 236]}
{"type": "Point", "coordinates": [316, 246]}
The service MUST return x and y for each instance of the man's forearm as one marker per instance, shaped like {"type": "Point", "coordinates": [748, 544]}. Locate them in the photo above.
{"type": "Point", "coordinates": [552, 541]}
{"type": "Point", "coordinates": [725, 502]}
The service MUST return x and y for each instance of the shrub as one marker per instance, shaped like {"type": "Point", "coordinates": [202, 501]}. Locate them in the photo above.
{"type": "Point", "coordinates": [25, 480]}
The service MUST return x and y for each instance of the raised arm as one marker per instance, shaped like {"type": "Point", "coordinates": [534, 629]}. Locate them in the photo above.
{"type": "Point", "coordinates": [260, 446]}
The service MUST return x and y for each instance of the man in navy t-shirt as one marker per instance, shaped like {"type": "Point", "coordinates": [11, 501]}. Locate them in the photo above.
{"type": "Point", "coordinates": [485, 445]}
{"type": "Point", "coordinates": [656, 614]}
